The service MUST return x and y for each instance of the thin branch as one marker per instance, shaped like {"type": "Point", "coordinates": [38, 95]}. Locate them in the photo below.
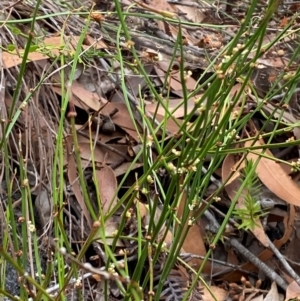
{"type": "Point", "coordinates": [258, 263]}
{"type": "Point", "coordinates": [281, 258]}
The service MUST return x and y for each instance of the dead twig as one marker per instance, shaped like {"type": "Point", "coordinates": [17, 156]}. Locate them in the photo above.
{"type": "Point", "coordinates": [281, 258]}
{"type": "Point", "coordinates": [258, 263]}
{"type": "Point", "coordinates": [188, 256]}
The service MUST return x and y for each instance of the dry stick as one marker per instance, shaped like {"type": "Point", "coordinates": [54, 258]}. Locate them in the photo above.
{"type": "Point", "coordinates": [291, 261]}
{"type": "Point", "coordinates": [258, 263]}
{"type": "Point", "coordinates": [281, 95]}
{"type": "Point", "coordinates": [284, 152]}
{"type": "Point", "coordinates": [187, 256]}
{"type": "Point", "coordinates": [231, 220]}
{"type": "Point", "coordinates": [287, 267]}
{"type": "Point", "coordinates": [213, 226]}
{"type": "Point", "coordinates": [88, 274]}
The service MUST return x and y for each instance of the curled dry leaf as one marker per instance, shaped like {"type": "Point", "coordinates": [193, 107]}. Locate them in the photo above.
{"type": "Point", "coordinates": [274, 176]}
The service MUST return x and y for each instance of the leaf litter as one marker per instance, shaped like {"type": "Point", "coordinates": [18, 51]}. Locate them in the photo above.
{"type": "Point", "coordinates": [108, 139]}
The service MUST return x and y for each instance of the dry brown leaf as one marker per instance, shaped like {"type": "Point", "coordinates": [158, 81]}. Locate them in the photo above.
{"type": "Point", "coordinates": [111, 228]}
{"type": "Point", "coordinates": [283, 273]}
{"type": "Point", "coordinates": [106, 182]}
{"type": "Point", "coordinates": [171, 104]}
{"type": "Point", "coordinates": [295, 7]}
{"type": "Point", "coordinates": [82, 98]}
{"type": "Point", "coordinates": [168, 239]}
{"type": "Point", "coordinates": [291, 251]}
{"type": "Point", "coordinates": [193, 242]}
{"type": "Point", "coordinates": [194, 14]}
{"type": "Point", "coordinates": [104, 138]}
{"type": "Point", "coordinates": [174, 79]}
{"type": "Point", "coordinates": [283, 22]}
{"type": "Point", "coordinates": [145, 217]}
{"type": "Point", "coordinates": [141, 208]}
{"type": "Point", "coordinates": [122, 118]}
{"type": "Point", "coordinates": [123, 168]}
{"type": "Point", "coordinates": [12, 59]}
{"type": "Point", "coordinates": [233, 186]}
{"type": "Point", "coordinates": [232, 257]}
{"type": "Point", "coordinates": [293, 291]}
{"type": "Point", "coordinates": [88, 40]}
{"type": "Point", "coordinates": [54, 49]}
{"type": "Point", "coordinates": [164, 8]}
{"type": "Point", "coordinates": [286, 167]}
{"type": "Point", "coordinates": [136, 84]}
{"type": "Point", "coordinates": [218, 294]}
{"type": "Point", "coordinates": [100, 152]}
{"type": "Point", "coordinates": [171, 125]}
{"type": "Point", "coordinates": [73, 179]}
{"type": "Point", "coordinates": [107, 186]}
{"type": "Point", "coordinates": [274, 177]}
{"type": "Point", "coordinates": [273, 293]}
{"type": "Point", "coordinates": [86, 97]}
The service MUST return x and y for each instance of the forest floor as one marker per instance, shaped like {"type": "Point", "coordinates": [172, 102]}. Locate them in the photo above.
{"type": "Point", "coordinates": [149, 150]}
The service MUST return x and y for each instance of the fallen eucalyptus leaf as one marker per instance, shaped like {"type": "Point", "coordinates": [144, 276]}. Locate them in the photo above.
{"type": "Point", "coordinates": [273, 175]}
